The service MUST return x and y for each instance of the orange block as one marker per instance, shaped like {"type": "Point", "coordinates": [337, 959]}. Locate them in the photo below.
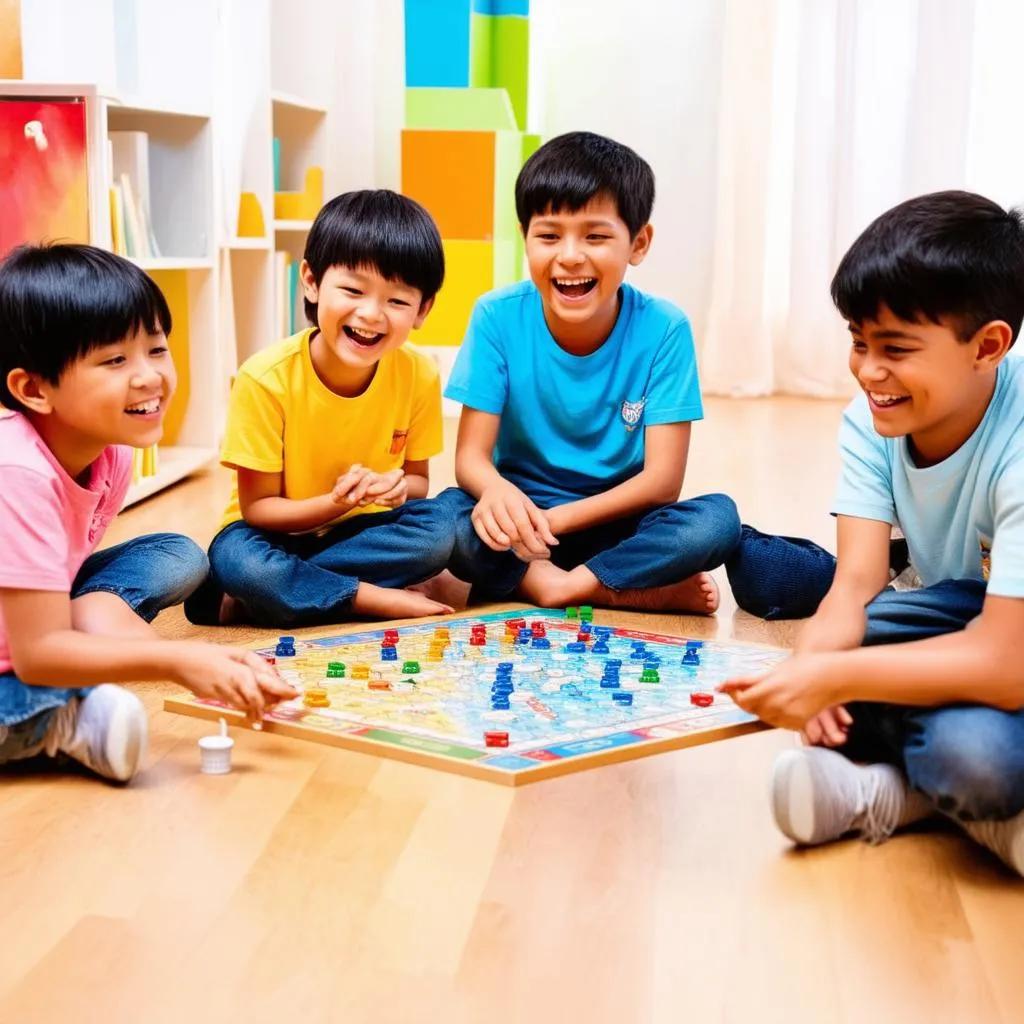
{"type": "Point", "coordinates": [452, 175]}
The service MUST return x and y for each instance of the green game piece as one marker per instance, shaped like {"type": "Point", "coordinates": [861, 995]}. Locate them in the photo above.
{"type": "Point", "coordinates": [650, 675]}
{"type": "Point", "coordinates": [571, 614]}
{"type": "Point", "coordinates": [410, 668]}
{"type": "Point", "coordinates": [335, 670]}
{"type": "Point", "coordinates": [586, 613]}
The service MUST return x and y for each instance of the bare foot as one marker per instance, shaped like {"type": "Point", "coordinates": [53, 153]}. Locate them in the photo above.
{"type": "Point", "coordinates": [697, 595]}
{"type": "Point", "coordinates": [385, 603]}
{"type": "Point", "coordinates": [232, 612]}
{"type": "Point", "coordinates": [445, 588]}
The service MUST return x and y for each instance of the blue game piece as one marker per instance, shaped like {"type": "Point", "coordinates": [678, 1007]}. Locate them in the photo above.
{"type": "Point", "coordinates": [600, 647]}
{"type": "Point", "coordinates": [691, 658]}
{"type": "Point", "coordinates": [585, 628]}
{"type": "Point", "coordinates": [576, 647]}
{"type": "Point", "coordinates": [652, 663]}
{"type": "Point", "coordinates": [639, 656]}
{"type": "Point", "coordinates": [610, 683]}
{"type": "Point", "coordinates": [500, 705]}
{"type": "Point", "coordinates": [502, 686]}
{"type": "Point", "coordinates": [613, 663]}
{"type": "Point", "coordinates": [541, 643]}
{"type": "Point", "coordinates": [285, 647]}
{"type": "Point", "coordinates": [622, 697]}
{"type": "Point", "coordinates": [639, 645]}
{"type": "Point", "coordinates": [504, 666]}
{"type": "Point", "coordinates": [389, 654]}
{"type": "Point", "coordinates": [694, 645]}
{"type": "Point", "coordinates": [603, 632]}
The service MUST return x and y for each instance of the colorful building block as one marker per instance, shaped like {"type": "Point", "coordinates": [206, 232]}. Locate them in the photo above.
{"type": "Point", "coordinates": [437, 42]}
{"type": "Point", "coordinates": [520, 7]}
{"type": "Point", "coordinates": [466, 109]}
{"type": "Point", "coordinates": [499, 58]}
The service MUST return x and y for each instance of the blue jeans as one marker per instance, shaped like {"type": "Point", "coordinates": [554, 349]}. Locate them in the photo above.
{"type": "Point", "coordinates": [149, 574]}
{"type": "Point", "coordinates": [652, 549]}
{"type": "Point", "coordinates": [967, 759]}
{"type": "Point", "coordinates": [285, 580]}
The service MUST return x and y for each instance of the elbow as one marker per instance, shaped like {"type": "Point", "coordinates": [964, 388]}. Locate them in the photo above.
{"type": "Point", "coordinates": [30, 671]}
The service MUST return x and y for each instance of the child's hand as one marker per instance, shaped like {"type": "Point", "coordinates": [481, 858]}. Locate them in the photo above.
{"type": "Point", "coordinates": [387, 489]}
{"type": "Point", "coordinates": [828, 728]}
{"type": "Point", "coordinates": [231, 675]}
{"type": "Point", "coordinates": [347, 485]}
{"type": "Point", "coordinates": [505, 518]}
{"type": "Point", "coordinates": [789, 696]}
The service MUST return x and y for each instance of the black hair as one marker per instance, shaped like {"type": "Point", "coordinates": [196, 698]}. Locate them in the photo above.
{"type": "Point", "coordinates": [379, 229]}
{"type": "Point", "coordinates": [571, 170]}
{"type": "Point", "coordinates": [58, 302]}
{"type": "Point", "coordinates": [952, 256]}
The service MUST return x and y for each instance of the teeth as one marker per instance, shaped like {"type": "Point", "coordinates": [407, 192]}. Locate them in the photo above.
{"type": "Point", "coordinates": [364, 334]}
{"type": "Point", "coordinates": [151, 406]}
{"type": "Point", "coordinates": [568, 281]}
{"type": "Point", "coordinates": [883, 399]}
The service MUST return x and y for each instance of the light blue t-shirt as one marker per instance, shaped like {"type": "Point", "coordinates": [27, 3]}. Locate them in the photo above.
{"type": "Point", "coordinates": [963, 518]}
{"type": "Point", "coordinates": [573, 426]}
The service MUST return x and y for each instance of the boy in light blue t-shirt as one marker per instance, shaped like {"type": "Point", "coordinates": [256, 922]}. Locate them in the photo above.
{"type": "Point", "coordinates": [934, 295]}
{"type": "Point", "coordinates": [578, 394]}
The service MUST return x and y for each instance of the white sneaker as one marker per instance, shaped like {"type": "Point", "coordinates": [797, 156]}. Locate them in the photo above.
{"type": "Point", "coordinates": [818, 795]}
{"type": "Point", "coordinates": [105, 730]}
{"type": "Point", "coordinates": [1004, 838]}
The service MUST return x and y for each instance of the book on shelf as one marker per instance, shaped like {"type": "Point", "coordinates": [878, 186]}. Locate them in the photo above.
{"type": "Point", "coordinates": [131, 224]}
{"type": "Point", "coordinates": [289, 312]}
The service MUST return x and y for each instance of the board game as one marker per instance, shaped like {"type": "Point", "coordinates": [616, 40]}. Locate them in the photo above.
{"type": "Point", "coordinates": [506, 697]}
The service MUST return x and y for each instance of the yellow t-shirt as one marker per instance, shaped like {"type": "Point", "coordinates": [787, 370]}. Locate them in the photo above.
{"type": "Point", "coordinates": [283, 419]}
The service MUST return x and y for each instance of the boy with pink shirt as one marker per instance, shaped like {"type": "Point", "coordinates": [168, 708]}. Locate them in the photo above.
{"type": "Point", "coordinates": [85, 375]}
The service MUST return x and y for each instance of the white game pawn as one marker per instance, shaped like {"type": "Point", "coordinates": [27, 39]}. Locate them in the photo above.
{"type": "Point", "coordinates": [215, 752]}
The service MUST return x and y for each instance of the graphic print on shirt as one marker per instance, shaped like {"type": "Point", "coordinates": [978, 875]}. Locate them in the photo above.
{"type": "Point", "coordinates": [632, 412]}
{"type": "Point", "coordinates": [398, 438]}
{"type": "Point", "coordinates": [985, 544]}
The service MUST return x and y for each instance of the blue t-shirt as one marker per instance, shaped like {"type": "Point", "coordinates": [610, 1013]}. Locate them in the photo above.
{"type": "Point", "coordinates": [963, 518]}
{"type": "Point", "coordinates": [573, 426]}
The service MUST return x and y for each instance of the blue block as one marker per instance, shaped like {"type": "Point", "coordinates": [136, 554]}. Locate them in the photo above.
{"type": "Point", "coordinates": [500, 7]}
{"type": "Point", "coordinates": [610, 683]}
{"type": "Point", "coordinates": [652, 663]}
{"type": "Point", "coordinates": [504, 666]}
{"type": "Point", "coordinates": [388, 654]}
{"type": "Point", "coordinates": [437, 43]}
{"type": "Point", "coordinates": [585, 628]}
{"type": "Point", "coordinates": [542, 643]}
{"type": "Point", "coordinates": [622, 697]}
{"type": "Point", "coordinates": [613, 663]}
{"type": "Point", "coordinates": [600, 647]}
{"type": "Point", "coordinates": [576, 647]}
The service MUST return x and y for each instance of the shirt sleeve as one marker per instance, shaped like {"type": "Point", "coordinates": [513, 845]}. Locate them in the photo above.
{"type": "Point", "coordinates": [33, 536]}
{"type": "Point", "coordinates": [254, 436]}
{"type": "Point", "coordinates": [479, 378]}
{"type": "Point", "coordinates": [1006, 578]}
{"type": "Point", "coordinates": [426, 430]}
{"type": "Point", "coordinates": [865, 477]}
{"type": "Point", "coordinates": [673, 395]}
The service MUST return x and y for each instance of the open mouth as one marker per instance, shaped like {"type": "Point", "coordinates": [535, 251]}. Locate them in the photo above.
{"type": "Point", "coordinates": [150, 408]}
{"type": "Point", "coordinates": [883, 400]}
{"type": "Point", "coordinates": [574, 287]}
{"type": "Point", "coordinates": [365, 339]}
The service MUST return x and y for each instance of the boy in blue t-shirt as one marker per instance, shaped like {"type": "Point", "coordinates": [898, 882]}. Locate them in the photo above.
{"type": "Point", "coordinates": [579, 392]}
{"type": "Point", "coordinates": [933, 292]}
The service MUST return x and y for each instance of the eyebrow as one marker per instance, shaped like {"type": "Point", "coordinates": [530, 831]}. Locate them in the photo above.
{"type": "Point", "coordinates": [887, 335]}
{"type": "Point", "coordinates": [549, 222]}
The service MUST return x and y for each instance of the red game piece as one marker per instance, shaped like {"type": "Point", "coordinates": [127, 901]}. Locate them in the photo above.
{"type": "Point", "coordinates": [584, 638]}
{"type": "Point", "coordinates": [496, 739]}
{"type": "Point", "coordinates": [702, 700]}
{"type": "Point", "coordinates": [390, 636]}
{"type": "Point", "coordinates": [379, 684]}
{"type": "Point", "coordinates": [477, 640]}
{"type": "Point", "coordinates": [270, 659]}
{"type": "Point", "coordinates": [538, 629]}
{"type": "Point", "coordinates": [514, 625]}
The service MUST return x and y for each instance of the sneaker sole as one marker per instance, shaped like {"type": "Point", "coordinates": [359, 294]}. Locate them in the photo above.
{"type": "Point", "coordinates": [126, 742]}
{"type": "Point", "coordinates": [793, 797]}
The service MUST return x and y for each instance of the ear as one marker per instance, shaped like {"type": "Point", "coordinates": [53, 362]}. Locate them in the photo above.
{"type": "Point", "coordinates": [425, 308]}
{"type": "Point", "coordinates": [30, 390]}
{"type": "Point", "coordinates": [992, 342]}
{"type": "Point", "coordinates": [641, 245]}
{"type": "Point", "coordinates": [309, 286]}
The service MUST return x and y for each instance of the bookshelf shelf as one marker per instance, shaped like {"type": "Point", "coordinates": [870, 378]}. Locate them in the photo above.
{"type": "Point", "coordinates": [292, 225]}
{"type": "Point", "coordinates": [286, 103]}
{"type": "Point", "coordinates": [247, 244]}
{"type": "Point", "coordinates": [174, 263]}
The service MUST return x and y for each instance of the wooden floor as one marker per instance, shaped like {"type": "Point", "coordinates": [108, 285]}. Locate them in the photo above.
{"type": "Point", "coordinates": [317, 885]}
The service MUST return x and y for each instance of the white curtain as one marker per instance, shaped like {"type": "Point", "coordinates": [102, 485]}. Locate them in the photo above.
{"type": "Point", "coordinates": [778, 129]}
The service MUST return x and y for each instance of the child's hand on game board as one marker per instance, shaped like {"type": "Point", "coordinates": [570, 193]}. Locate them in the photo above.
{"type": "Point", "coordinates": [788, 696]}
{"type": "Point", "coordinates": [504, 518]}
{"type": "Point", "coordinates": [232, 676]}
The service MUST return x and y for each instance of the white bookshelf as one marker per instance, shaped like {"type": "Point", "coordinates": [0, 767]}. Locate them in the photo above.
{"type": "Point", "coordinates": [211, 83]}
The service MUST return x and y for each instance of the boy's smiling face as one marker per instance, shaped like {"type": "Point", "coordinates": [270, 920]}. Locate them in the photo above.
{"type": "Point", "coordinates": [577, 261]}
{"type": "Point", "coordinates": [361, 316]}
{"type": "Point", "coordinates": [922, 381]}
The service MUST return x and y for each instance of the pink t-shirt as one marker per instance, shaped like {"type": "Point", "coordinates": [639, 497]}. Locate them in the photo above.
{"type": "Point", "coordinates": [49, 524]}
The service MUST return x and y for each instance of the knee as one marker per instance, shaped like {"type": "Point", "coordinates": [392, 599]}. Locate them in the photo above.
{"type": "Point", "coordinates": [437, 519]}
{"type": "Point", "coordinates": [967, 763]}
{"type": "Point", "coordinates": [179, 565]}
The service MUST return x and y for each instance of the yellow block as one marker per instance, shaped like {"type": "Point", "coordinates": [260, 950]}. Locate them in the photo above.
{"type": "Point", "coordinates": [469, 272]}
{"type": "Point", "coordinates": [174, 285]}
{"type": "Point", "coordinates": [304, 205]}
{"type": "Point", "coordinates": [250, 217]}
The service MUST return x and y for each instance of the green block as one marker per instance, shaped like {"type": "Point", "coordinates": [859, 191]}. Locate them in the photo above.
{"type": "Point", "coordinates": [483, 109]}
{"type": "Point", "coordinates": [506, 270]}
{"type": "Point", "coordinates": [531, 143]}
{"type": "Point", "coordinates": [571, 614]}
{"type": "Point", "coordinates": [650, 675]}
{"type": "Point", "coordinates": [586, 613]}
{"type": "Point", "coordinates": [410, 668]}
{"type": "Point", "coordinates": [511, 61]}
{"type": "Point", "coordinates": [499, 57]}
{"type": "Point", "coordinates": [508, 154]}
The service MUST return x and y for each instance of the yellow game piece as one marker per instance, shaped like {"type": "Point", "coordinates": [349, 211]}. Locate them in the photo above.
{"type": "Point", "coordinates": [360, 671]}
{"type": "Point", "coordinates": [316, 697]}
{"type": "Point", "coordinates": [442, 633]}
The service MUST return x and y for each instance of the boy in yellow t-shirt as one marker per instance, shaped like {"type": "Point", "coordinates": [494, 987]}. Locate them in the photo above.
{"type": "Point", "coordinates": [330, 432]}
